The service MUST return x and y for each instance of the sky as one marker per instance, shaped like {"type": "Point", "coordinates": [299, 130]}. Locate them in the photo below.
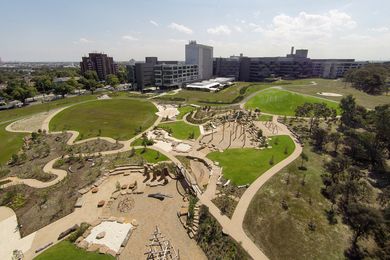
{"type": "Point", "coordinates": [54, 30]}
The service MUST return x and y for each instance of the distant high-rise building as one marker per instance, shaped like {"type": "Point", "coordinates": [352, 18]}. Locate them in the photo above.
{"type": "Point", "coordinates": [99, 62]}
{"type": "Point", "coordinates": [201, 55]}
{"type": "Point", "coordinates": [1, 61]}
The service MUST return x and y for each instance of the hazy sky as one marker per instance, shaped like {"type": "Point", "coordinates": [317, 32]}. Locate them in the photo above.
{"type": "Point", "coordinates": [54, 30]}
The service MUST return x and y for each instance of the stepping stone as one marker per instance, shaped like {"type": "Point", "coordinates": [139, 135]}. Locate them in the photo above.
{"type": "Point", "coordinates": [103, 249]}
{"type": "Point", "coordinates": [93, 248]}
{"type": "Point", "coordinates": [83, 244]}
{"type": "Point", "coordinates": [134, 222]}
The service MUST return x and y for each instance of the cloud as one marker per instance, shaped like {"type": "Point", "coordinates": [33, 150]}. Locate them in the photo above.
{"type": "Point", "coordinates": [180, 28]}
{"type": "Point", "coordinates": [380, 29]}
{"type": "Point", "coordinates": [306, 26]}
{"type": "Point", "coordinates": [219, 30]}
{"type": "Point", "coordinates": [177, 40]}
{"type": "Point", "coordinates": [83, 41]}
{"type": "Point", "coordinates": [129, 38]}
{"type": "Point", "coordinates": [237, 28]}
{"type": "Point", "coordinates": [154, 23]}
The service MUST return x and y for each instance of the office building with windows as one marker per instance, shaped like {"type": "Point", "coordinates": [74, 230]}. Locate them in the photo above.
{"type": "Point", "coordinates": [99, 62]}
{"type": "Point", "coordinates": [202, 56]}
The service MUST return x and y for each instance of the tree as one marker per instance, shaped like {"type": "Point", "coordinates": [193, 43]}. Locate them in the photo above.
{"type": "Point", "coordinates": [75, 85]}
{"type": "Point", "coordinates": [363, 220]}
{"type": "Point", "coordinates": [350, 113]}
{"type": "Point", "coordinates": [314, 111]}
{"type": "Point", "coordinates": [335, 138]}
{"type": "Point", "coordinates": [112, 80]}
{"type": "Point", "coordinates": [319, 137]}
{"type": "Point", "coordinates": [19, 90]}
{"type": "Point", "coordinates": [304, 158]}
{"type": "Point", "coordinates": [62, 88]}
{"type": "Point", "coordinates": [91, 75]}
{"type": "Point", "coordinates": [43, 84]}
{"type": "Point", "coordinates": [370, 79]}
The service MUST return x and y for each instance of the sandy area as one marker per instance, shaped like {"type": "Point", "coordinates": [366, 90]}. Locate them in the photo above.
{"type": "Point", "coordinates": [200, 172]}
{"type": "Point", "coordinates": [183, 148]}
{"type": "Point", "coordinates": [167, 111]}
{"type": "Point", "coordinates": [150, 212]}
{"type": "Point", "coordinates": [329, 94]}
{"type": "Point", "coordinates": [115, 234]}
{"type": "Point", "coordinates": [32, 123]}
{"type": "Point", "coordinates": [10, 236]}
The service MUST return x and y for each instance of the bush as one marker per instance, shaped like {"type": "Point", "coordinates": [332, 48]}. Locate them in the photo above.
{"type": "Point", "coordinates": [79, 232]}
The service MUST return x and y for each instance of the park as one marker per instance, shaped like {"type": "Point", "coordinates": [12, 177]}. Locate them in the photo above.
{"type": "Point", "coordinates": [175, 166]}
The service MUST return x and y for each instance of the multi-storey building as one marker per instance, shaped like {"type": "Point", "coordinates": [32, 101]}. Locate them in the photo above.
{"type": "Point", "coordinates": [201, 55]}
{"type": "Point", "coordinates": [99, 62]}
{"type": "Point", "coordinates": [162, 74]}
{"type": "Point", "coordinates": [334, 68]}
{"type": "Point", "coordinates": [294, 65]}
{"type": "Point", "coordinates": [175, 75]}
{"type": "Point", "coordinates": [227, 67]}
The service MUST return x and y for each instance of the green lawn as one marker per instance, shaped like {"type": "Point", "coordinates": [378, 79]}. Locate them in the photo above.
{"type": "Point", "coordinates": [11, 114]}
{"type": "Point", "coordinates": [65, 250]}
{"type": "Point", "coordinates": [10, 143]}
{"type": "Point", "coordinates": [152, 156]}
{"type": "Point", "coordinates": [184, 110]}
{"type": "Point", "coordinates": [116, 118]}
{"type": "Point", "coordinates": [265, 118]}
{"type": "Point", "coordinates": [245, 165]}
{"type": "Point", "coordinates": [181, 130]}
{"type": "Point", "coordinates": [284, 234]}
{"type": "Point", "coordinates": [229, 95]}
{"type": "Point", "coordinates": [282, 102]}
{"type": "Point", "coordinates": [339, 87]}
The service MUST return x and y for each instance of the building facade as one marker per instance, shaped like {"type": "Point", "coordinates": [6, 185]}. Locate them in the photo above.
{"type": "Point", "coordinates": [175, 75]}
{"type": "Point", "coordinates": [162, 74]}
{"type": "Point", "coordinates": [292, 66]}
{"type": "Point", "coordinates": [99, 62]}
{"type": "Point", "coordinates": [202, 56]}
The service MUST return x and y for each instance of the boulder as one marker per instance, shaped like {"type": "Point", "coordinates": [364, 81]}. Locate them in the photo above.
{"type": "Point", "coordinates": [83, 244]}
{"type": "Point", "coordinates": [94, 190]}
{"type": "Point", "coordinates": [124, 186]}
{"type": "Point", "coordinates": [101, 203]}
{"type": "Point", "coordinates": [101, 235]}
{"type": "Point", "coordinates": [134, 222]}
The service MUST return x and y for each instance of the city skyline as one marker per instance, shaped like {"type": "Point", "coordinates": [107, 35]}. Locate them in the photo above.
{"type": "Point", "coordinates": [64, 31]}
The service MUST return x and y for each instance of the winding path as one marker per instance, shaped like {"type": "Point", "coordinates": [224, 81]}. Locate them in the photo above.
{"type": "Point", "coordinates": [233, 226]}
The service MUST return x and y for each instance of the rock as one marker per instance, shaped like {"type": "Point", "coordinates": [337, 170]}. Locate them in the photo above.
{"type": "Point", "coordinates": [79, 239]}
{"type": "Point", "coordinates": [101, 235]}
{"type": "Point", "coordinates": [124, 186]}
{"type": "Point", "coordinates": [111, 252]}
{"type": "Point", "coordinates": [83, 244]}
{"type": "Point", "coordinates": [134, 222]}
{"type": "Point", "coordinates": [103, 249]}
{"type": "Point", "coordinates": [93, 247]}
{"type": "Point", "coordinates": [94, 190]}
{"type": "Point", "coordinates": [86, 233]}
{"type": "Point", "coordinates": [121, 220]}
{"type": "Point", "coordinates": [101, 203]}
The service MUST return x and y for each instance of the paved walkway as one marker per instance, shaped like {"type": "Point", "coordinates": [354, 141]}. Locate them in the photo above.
{"type": "Point", "coordinates": [233, 227]}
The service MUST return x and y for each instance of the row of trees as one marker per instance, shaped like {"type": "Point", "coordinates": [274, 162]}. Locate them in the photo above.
{"type": "Point", "coordinates": [19, 89]}
{"type": "Point", "coordinates": [372, 79]}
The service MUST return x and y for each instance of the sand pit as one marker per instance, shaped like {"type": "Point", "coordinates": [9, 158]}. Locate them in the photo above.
{"type": "Point", "coordinates": [329, 94]}
{"type": "Point", "coordinates": [10, 236]}
{"type": "Point", "coordinates": [183, 147]}
{"type": "Point", "coordinates": [167, 111]}
{"type": "Point", "coordinates": [31, 123]}
{"type": "Point", "coordinates": [115, 234]}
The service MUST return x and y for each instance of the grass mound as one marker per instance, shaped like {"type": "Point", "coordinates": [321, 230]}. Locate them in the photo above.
{"type": "Point", "coordinates": [278, 217]}
{"type": "Point", "coordinates": [181, 130]}
{"type": "Point", "coordinates": [282, 102]}
{"type": "Point", "coordinates": [65, 250]}
{"type": "Point", "coordinates": [243, 166]}
{"type": "Point", "coordinates": [116, 118]}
